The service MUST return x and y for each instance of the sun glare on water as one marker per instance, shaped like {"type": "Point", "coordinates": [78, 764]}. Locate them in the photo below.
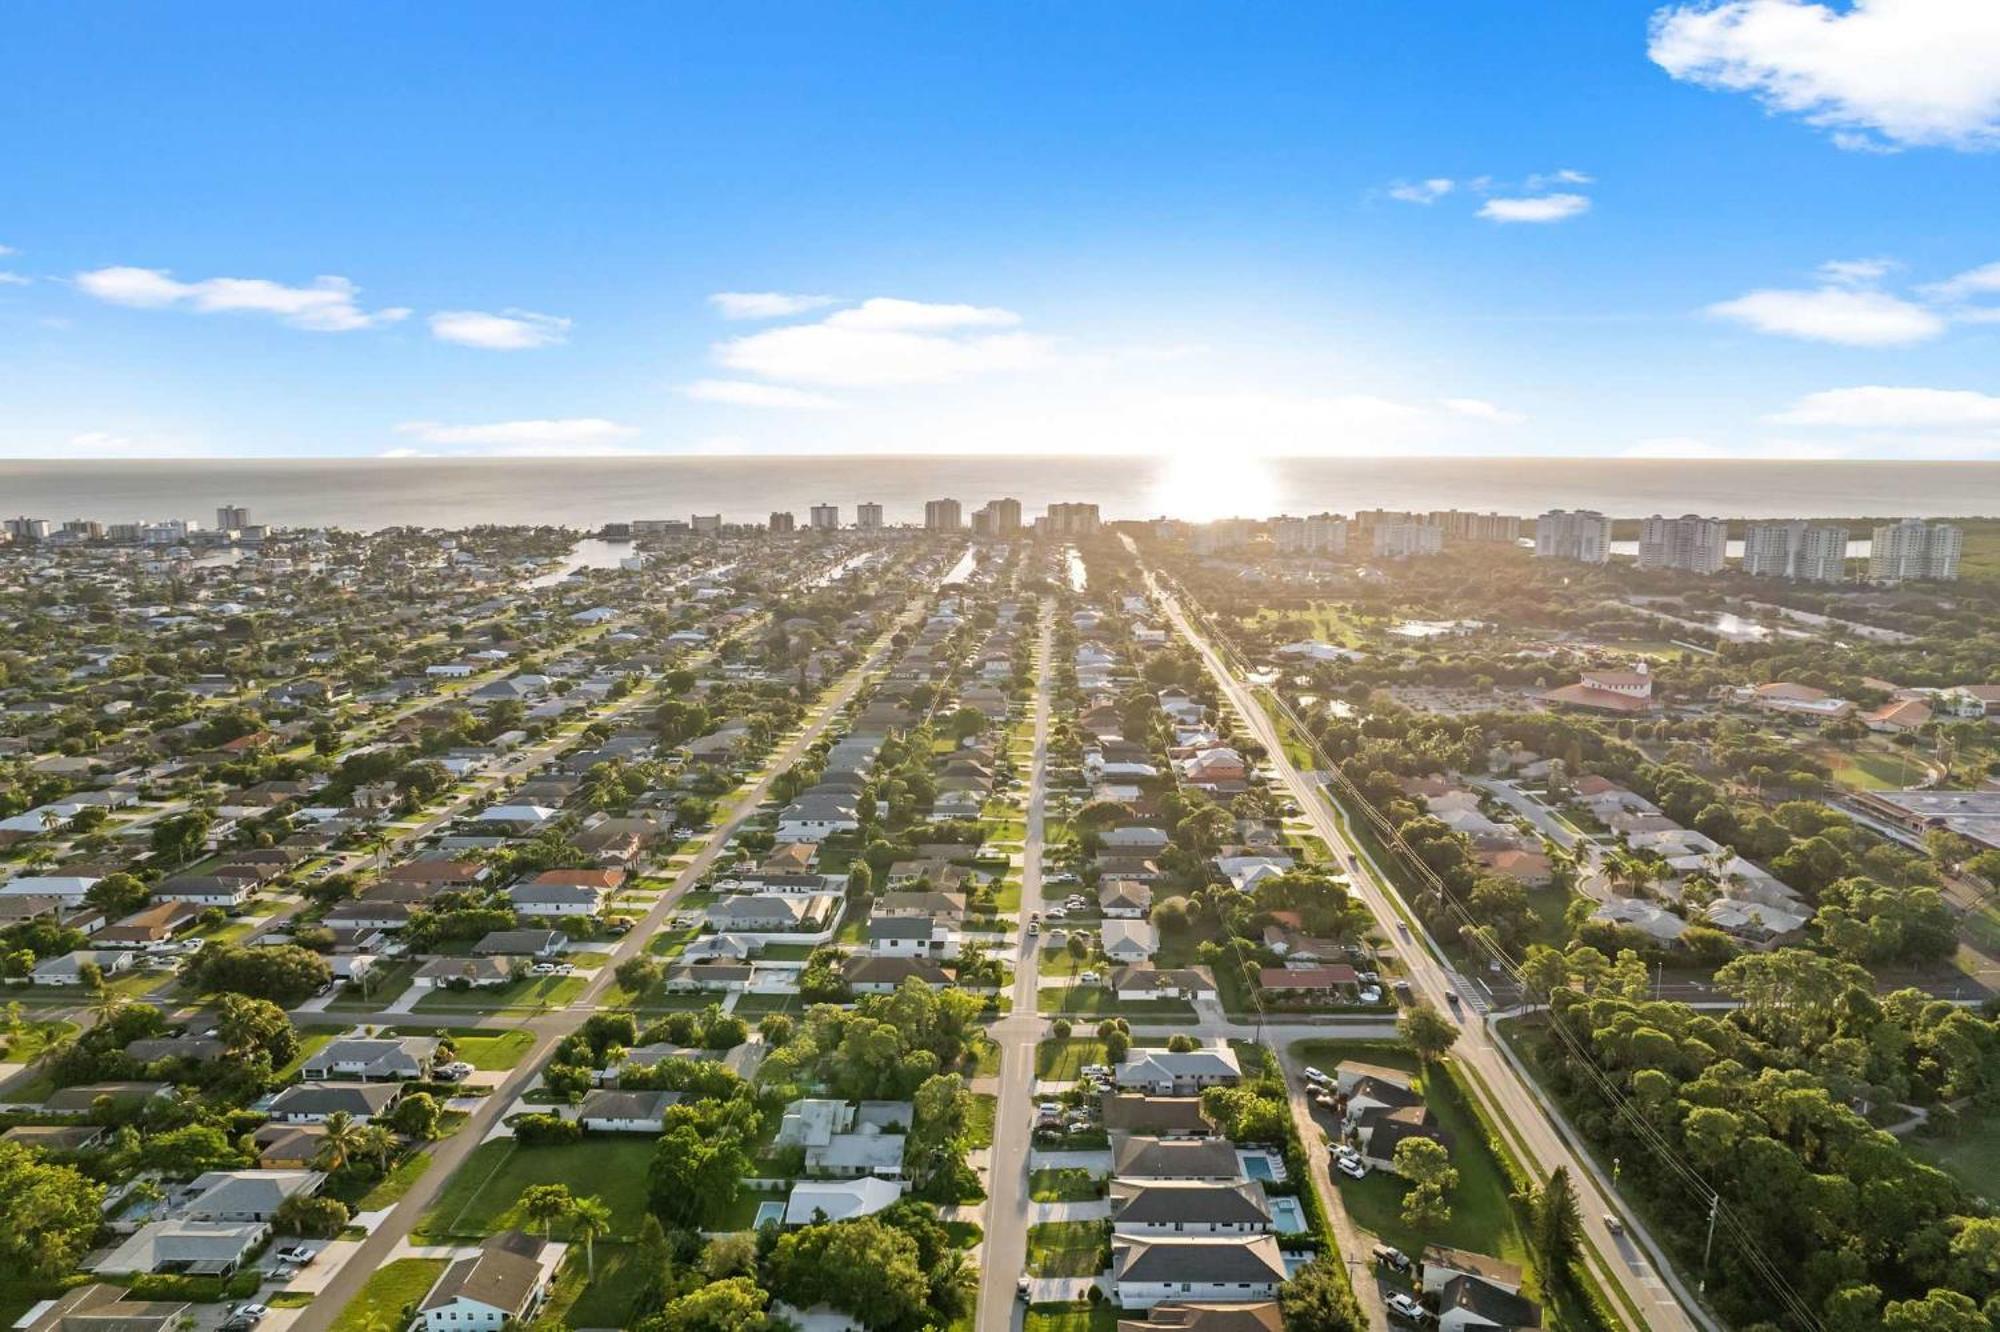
{"type": "Point", "coordinates": [1202, 487]}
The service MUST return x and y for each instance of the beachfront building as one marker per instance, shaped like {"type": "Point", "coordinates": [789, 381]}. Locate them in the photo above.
{"type": "Point", "coordinates": [1914, 548]}
{"type": "Point", "coordinates": [1583, 535]}
{"type": "Point", "coordinates": [1689, 543]}
{"type": "Point", "coordinates": [1806, 552]}
{"type": "Point", "coordinates": [1320, 534]}
{"type": "Point", "coordinates": [942, 515]}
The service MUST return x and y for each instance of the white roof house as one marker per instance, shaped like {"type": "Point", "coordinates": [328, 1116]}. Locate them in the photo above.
{"type": "Point", "coordinates": [1130, 940]}
{"type": "Point", "coordinates": [839, 1199]}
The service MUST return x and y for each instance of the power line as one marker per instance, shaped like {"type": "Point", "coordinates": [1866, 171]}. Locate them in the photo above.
{"type": "Point", "coordinates": [1792, 1303]}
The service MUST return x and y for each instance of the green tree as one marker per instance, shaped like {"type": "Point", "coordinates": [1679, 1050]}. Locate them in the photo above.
{"type": "Point", "coordinates": [117, 895]}
{"type": "Point", "coordinates": [732, 1305]}
{"type": "Point", "coordinates": [1428, 1032]}
{"type": "Point", "coordinates": [1425, 1163]}
{"type": "Point", "coordinates": [48, 1213]}
{"type": "Point", "coordinates": [546, 1204]}
{"type": "Point", "coordinates": [589, 1219]}
{"type": "Point", "coordinates": [1557, 1223]}
{"type": "Point", "coordinates": [416, 1116]}
{"type": "Point", "coordinates": [864, 1267]}
{"type": "Point", "coordinates": [1940, 1311]}
{"type": "Point", "coordinates": [1318, 1299]}
{"type": "Point", "coordinates": [249, 1025]}
{"type": "Point", "coordinates": [180, 838]}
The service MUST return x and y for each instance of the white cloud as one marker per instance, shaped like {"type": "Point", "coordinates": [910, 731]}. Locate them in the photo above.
{"type": "Point", "coordinates": [1481, 410]}
{"type": "Point", "coordinates": [746, 393]}
{"type": "Point", "coordinates": [1566, 176]}
{"type": "Point", "coordinates": [887, 314]}
{"type": "Point", "coordinates": [1910, 73]}
{"type": "Point", "coordinates": [326, 306]}
{"type": "Point", "coordinates": [109, 444]}
{"type": "Point", "coordinates": [885, 341]}
{"type": "Point", "coordinates": [1538, 208]}
{"type": "Point", "coordinates": [13, 279]}
{"type": "Point", "coordinates": [766, 304]}
{"type": "Point", "coordinates": [1422, 191]}
{"type": "Point", "coordinates": [1981, 281]}
{"type": "Point", "coordinates": [1834, 314]}
{"type": "Point", "coordinates": [7, 250]}
{"type": "Point", "coordinates": [1878, 407]}
{"type": "Point", "coordinates": [510, 330]}
{"type": "Point", "coordinates": [576, 434]}
{"type": "Point", "coordinates": [1856, 272]}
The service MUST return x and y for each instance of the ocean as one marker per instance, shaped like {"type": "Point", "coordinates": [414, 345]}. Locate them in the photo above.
{"type": "Point", "coordinates": [588, 492]}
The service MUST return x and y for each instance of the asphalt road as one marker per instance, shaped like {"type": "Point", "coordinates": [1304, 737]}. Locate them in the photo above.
{"type": "Point", "coordinates": [1006, 1248]}
{"type": "Point", "coordinates": [1630, 1259]}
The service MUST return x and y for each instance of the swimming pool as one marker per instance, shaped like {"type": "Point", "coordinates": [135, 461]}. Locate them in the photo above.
{"type": "Point", "coordinates": [774, 1212]}
{"type": "Point", "coordinates": [1257, 1167]}
{"type": "Point", "coordinates": [1289, 1216]}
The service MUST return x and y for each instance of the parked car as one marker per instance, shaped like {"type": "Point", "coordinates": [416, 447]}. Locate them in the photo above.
{"type": "Point", "coordinates": [1352, 1166]}
{"type": "Point", "coordinates": [298, 1254]}
{"type": "Point", "coordinates": [455, 1071]}
{"type": "Point", "coordinates": [1317, 1078]}
{"type": "Point", "coordinates": [1034, 928]}
{"type": "Point", "coordinates": [552, 969]}
{"type": "Point", "coordinates": [1392, 1258]}
{"type": "Point", "coordinates": [1370, 995]}
{"type": "Point", "coordinates": [1407, 1309]}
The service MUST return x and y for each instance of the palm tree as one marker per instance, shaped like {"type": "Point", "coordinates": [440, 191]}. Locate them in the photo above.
{"type": "Point", "coordinates": [547, 1204]}
{"type": "Point", "coordinates": [375, 1141]}
{"type": "Point", "coordinates": [343, 1137]}
{"type": "Point", "coordinates": [107, 1004]}
{"type": "Point", "coordinates": [589, 1217]}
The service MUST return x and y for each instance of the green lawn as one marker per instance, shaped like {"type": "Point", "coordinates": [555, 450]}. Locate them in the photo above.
{"type": "Point", "coordinates": [1067, 1184]}
{"type": "Point", "coordinates": [1869, 769]}
{"type": "Point", "coordinates": [389, 1190]}
{"type": "Point", "coordinates": [493, 1051]}
{"type": "Point", "coordinates": [536, 992]}
{"type": "Point", "coordinates": [1095, 1001]}
{"type": "Point", "coordinates": [389, 984]}
{"type": "Point", "coordinates": [394, 1287]}
{"type": "Point", "coordinates": [1100, 1317]}
{"type": "Point", "coordinates": [479, 1199]}
{"type": "Point", "coordinates": [979, 1119]}
{"type": "Point", "coordinates": [1067, 1248]}
{"type": "Point", "coordinates": [1481, 1218]}
{"type": "Point", "coordinates": [670, 943]}
{"type": "Point", "coordinates": [1063, 1061]}
{"type": "Point", "coordinates": [310, 1044]}
{"type": "Point", "coordinates": [580, 1300]}
{"type": "Point", "coordinates": [1971, 1156]}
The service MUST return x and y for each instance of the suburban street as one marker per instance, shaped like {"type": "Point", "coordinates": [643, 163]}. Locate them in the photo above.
{"type": "Point", "coordinates": [549, 1028]}
{"type": "Point", "coordinates": [1631, 1259]}
{"type": "Point", "coordinates": [1006, 1248]}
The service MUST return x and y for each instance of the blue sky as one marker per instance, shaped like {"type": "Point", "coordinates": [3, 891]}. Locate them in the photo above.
{"type": "Point", "coordinates": [1754, 228]}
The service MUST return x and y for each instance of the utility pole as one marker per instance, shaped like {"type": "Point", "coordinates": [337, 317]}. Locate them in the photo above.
{"type": "Point", "coordinates": [1714, 1208]}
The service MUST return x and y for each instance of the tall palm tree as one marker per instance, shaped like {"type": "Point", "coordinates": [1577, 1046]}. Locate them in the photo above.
{"type": "Point", "coordinates": [589, 1218]}
{"type": "Point", "coordinates": [343, 1137]}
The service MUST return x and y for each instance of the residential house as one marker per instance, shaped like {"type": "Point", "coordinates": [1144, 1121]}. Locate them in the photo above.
{"type": "Point", "coordinates": [1148, 1157]}
{"type": "Point", "coordinates": [186, 1248]}
{"type": "Point", "coordinates": [1188, 1207]}
{"type": "Point", "coordinates": [1154, 1116]}
{"type": "Point", "coordinates": [1147, 1270]}
{"type": "Point", "coordinates": [502, 1285]}
{"type": "Point", "coordinates": [625, 1111]}
{"type": "Point", "coordinates": [1149, 982]}
{"type": "Point", "coordinates": [813, 1200]}
{"type": "Point", "coordinates": [1129, 941]}
{"type": "Point", "coordinates": [248, 1195]}
{"type": "Point", "coordinates": [467, 973]}
{"type": "Point", "coordinates": [1179, 1073]}
{"type": "Point", "coordinates": [372, 1059]}
{"type": "Point", "coordinates": [1124, 899]}
{"type": "Point", "coordinates": [97, 1307]}
{"type": "Point", "coordinates": [316, 1102]}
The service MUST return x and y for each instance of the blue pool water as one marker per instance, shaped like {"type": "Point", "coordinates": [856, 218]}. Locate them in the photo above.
{"type": "Point", "coordinates": [1289, 1216]}
{"type": "Point", "coordinates": [1258, 1167]}
{"type": "Point", "coordinates": [775, 1211]}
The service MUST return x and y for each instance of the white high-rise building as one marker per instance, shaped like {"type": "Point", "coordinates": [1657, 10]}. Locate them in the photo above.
{"type": "Point", "coordinates": [868, 517]}
{"type": "Point", "coordinates": [1583, 535]}
{"type": "Point", "coordinates": [28, 529]}
{"type": "Point", "coordinates": [1320, 534]}
{"type": "Point", "coordinates": [1072, 520]}
{"type": "Point", "coordinates": [826, 517]}
{"type": "Point", "coordinates": [1689, 543]}
{"type": "Point", "coordinates": [1403, 540]}
{"type": "Point", "coordinates": [1806, 551]}
{"type": "Point", "coordinates": [705, 524]}
{"type": "Point", "coordinates": [942, 515]}
{"type": "Point", "coordinates": [1914, 548]}
{"type": "Point", "coordinates": [231, 518]}
{"type": "Point", "coordinates": [1459, 525]}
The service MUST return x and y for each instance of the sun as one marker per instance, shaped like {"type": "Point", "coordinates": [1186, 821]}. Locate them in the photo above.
{"type": "Point", "coordinates": [1200, 487]}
